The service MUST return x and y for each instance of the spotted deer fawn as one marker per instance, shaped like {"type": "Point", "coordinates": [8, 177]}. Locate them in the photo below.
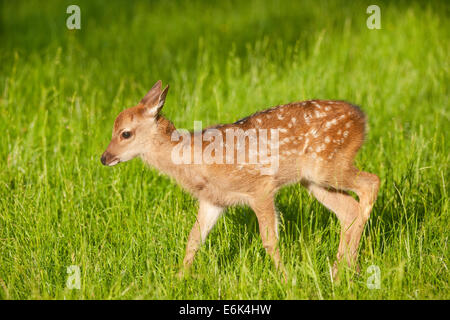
{"type": "Point", "coordinates": [316, 143]}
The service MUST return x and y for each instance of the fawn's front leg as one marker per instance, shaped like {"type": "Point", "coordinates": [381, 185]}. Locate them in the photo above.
{"type": "Point", "coordinates": [206, 219]}
{"type": "Point", "coordinates": [268, 228]}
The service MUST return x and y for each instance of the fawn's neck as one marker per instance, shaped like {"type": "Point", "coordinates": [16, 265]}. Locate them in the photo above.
{"type": "Point", "coordinates": [160, 155]}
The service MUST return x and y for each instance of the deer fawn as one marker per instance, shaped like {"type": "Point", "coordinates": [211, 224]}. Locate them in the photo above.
{"type": "Point", "coordinates": [316, 142]}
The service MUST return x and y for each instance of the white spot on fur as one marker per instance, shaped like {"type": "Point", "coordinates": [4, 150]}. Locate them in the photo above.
{"type": "Point", "coordinates": [305, 145]}
{"type": "Point", "coordinates": [307, 118]}
{"type": "Point", "coordinates": [329, 123]}
{"type": "Point", "coordinates": [327, 139]}
{"type": "Point", "coordinates": [313, 131]}
{"type": "Point", "coordinates": [316, 104]}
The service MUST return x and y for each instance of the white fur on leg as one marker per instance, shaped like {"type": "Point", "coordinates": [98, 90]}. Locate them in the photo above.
{"type": "Point", "coordinates": [207, 217]}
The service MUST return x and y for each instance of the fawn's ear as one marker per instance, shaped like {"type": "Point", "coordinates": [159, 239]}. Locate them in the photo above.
{"type": "Point", "coordinates": [155, 104]}
{"type": "Point", "coordinates": [151, 98]}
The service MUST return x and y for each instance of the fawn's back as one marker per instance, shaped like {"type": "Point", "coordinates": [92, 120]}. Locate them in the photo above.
{"type": "Point", "coordinates": [317, 142]}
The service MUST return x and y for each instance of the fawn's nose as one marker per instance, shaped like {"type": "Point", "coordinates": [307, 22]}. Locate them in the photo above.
{"type": "Point", "coordinates": [103, 159]}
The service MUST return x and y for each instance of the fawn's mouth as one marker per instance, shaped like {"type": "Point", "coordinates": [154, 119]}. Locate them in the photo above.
{"type": "Point", "coordinates": [107, 160]}
{"type": "Point", "coordinates": [113, 162]}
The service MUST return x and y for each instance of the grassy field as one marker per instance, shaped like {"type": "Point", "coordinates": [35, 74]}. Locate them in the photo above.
{"type": "Point", "coordinates": [126, 227]}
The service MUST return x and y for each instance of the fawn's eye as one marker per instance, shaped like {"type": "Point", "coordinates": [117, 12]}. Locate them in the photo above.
{"type": "Point", "coordinates": [126, 134]}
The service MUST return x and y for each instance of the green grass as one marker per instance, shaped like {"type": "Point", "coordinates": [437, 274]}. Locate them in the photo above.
{"type": "Point", "coordinates": [126, 227]}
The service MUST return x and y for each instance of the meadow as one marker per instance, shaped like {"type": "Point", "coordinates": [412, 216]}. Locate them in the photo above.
{"type": "Point", "coordinates": [126, 227]}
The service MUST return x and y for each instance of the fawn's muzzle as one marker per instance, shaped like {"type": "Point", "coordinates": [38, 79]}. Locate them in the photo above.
{"type": "Point", "coordinates": [103, 159]}
{"type": "Point", "coordinates": [107, 159]}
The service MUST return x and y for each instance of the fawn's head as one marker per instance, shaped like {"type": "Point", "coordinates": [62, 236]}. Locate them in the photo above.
{"type": "Point", "coordinates": [134, 128]}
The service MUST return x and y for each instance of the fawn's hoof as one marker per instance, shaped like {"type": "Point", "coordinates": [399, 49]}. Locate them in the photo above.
{"type": "Point", "coordinates": [335, 270]}
{"type": "Point", "coordinates": [284, 275]}
{"type": "Point", "coordinates": [181, 274]}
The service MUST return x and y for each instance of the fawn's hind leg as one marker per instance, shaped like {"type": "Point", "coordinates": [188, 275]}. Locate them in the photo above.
{"type": "Point", "coordinates": [347, 211]}
{"type": "Point", "coordinates": [352, 215]}
{"type": "Point", "coordinates": [366, 186]}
